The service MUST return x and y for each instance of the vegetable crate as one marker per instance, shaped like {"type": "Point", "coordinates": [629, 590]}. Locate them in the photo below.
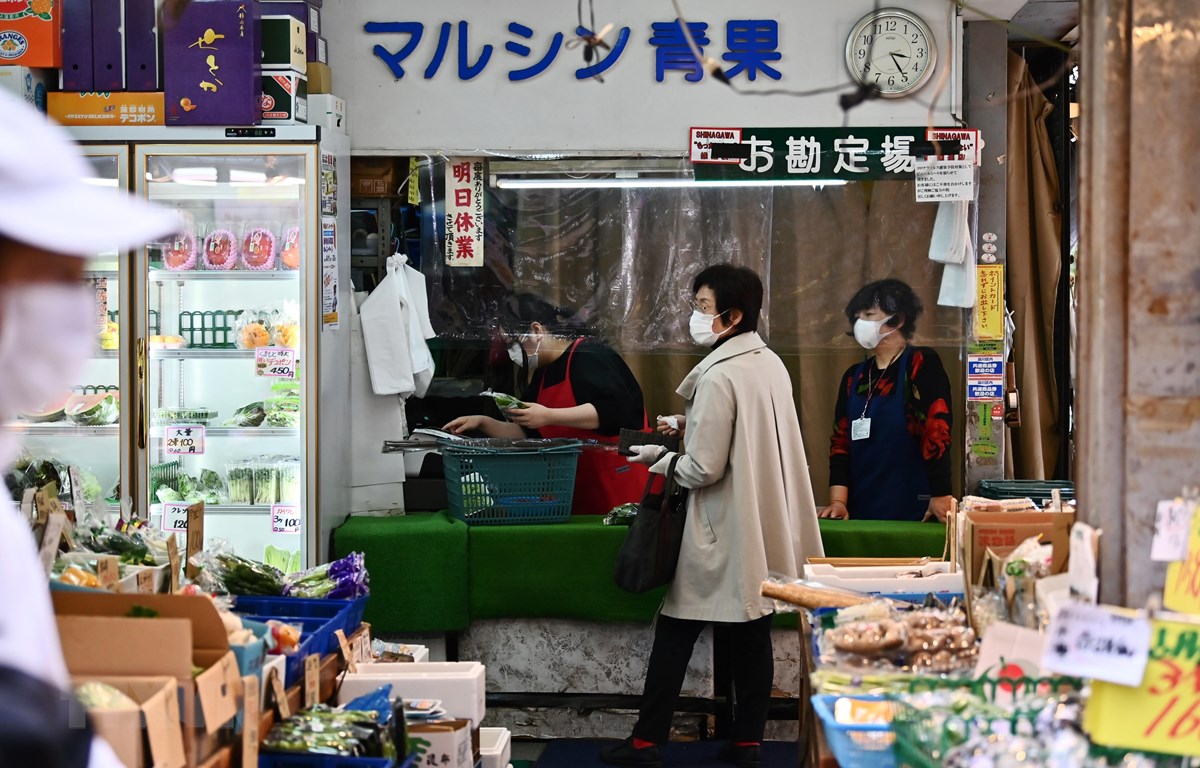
{"type": "Point", "coordinates": [855, 745]}
{"type": "Point", "coordinates": [510, 482]}
{"type": "Point", "coordinates": [345, 615]}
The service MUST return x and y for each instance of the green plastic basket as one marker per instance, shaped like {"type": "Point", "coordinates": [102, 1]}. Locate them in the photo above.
{"type": "Point", "coordinates": [510, 482]}
{"type": "Point", "coordinates": [1040, 491]}
{"type": "Point", "coordinates": [212, 329]}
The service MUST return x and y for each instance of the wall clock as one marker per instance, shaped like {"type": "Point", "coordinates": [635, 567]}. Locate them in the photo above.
{"type": "Point", "coordinates": [893, 50]}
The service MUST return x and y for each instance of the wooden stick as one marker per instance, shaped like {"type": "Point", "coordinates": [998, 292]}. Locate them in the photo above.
{"type": "Point", "coordinates": [807, 597]}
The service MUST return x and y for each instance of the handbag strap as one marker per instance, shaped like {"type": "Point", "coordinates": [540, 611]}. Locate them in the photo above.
{"type": "Point", "coordinates": [670, 487]}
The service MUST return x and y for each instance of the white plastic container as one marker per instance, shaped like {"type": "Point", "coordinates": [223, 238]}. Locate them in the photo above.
{"type": "Point", "coordinates": [459, 684]}
{"type": "Point", "coordinates": [887, 579]}
{"type": "Point", "coordinates": [495, 747]}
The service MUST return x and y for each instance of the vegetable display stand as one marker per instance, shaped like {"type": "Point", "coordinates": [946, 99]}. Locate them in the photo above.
{"type": "Point", "coordinates": [510, 482]}
{"type": "Point", "coordinates": [345, 615]}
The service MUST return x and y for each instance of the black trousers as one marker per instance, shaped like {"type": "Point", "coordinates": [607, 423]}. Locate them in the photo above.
{"type": "Point", "coordinates": [753, 675]}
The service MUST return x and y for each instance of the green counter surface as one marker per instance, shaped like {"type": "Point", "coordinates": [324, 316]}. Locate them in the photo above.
{"type": "Point", "coordinates": [430, 572]}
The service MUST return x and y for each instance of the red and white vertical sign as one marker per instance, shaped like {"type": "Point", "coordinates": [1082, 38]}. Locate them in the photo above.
{"type": "Point", "coordinates": [464, 212]}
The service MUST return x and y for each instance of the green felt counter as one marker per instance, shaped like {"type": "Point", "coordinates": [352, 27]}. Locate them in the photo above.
{"type": "Point", "coordinates": [432, 573]}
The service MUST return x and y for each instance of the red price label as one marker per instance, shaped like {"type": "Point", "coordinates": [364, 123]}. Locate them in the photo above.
{"type": "Point", "coordinates": [279, 362]}
{"type": "Point", "coordinates": [285, 518]}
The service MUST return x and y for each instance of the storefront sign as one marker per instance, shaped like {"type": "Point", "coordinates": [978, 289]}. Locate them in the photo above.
{"type": "Point", "coordinates": [279, 362]}
{"type": "Point", "coordinates": [969, 145]}
{"type": "Point", "coordinates": [285, 518]}
{"type": "Point", "coordinates": [985, 390]}
{"type": "Point", "coordinates": [939, 180]}
{"type": "Point", "coordinates": [1182, 590]}
{"type": "Point", "coordinates": [183, 440]}
{"type": "Point", "coordinates": [1094, 642]}
{"type": "Point", "coordinates": [812, 154]}
{"type": "Point", "coordinates": [329, 273]}
{"type": "Point", "coordinates": [464, 212]}
{"type": "Point", "coordinates": [1162, 713]}
{"type": "Point", "coordinates": [989, 309]}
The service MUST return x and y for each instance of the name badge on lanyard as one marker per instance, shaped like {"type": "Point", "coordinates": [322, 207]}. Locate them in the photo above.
{"type": "Point", "coordinates": [860, 429]}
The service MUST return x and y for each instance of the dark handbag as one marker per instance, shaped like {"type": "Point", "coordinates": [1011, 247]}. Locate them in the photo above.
{"type": "Point", "coordinates": [648, 556]}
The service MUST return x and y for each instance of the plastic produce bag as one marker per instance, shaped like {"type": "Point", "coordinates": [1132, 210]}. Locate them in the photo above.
{"type": "Point", "coordinates": [397, 356]}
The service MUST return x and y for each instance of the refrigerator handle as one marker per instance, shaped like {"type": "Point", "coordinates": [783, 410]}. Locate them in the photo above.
{"type": "Point", "coordinates": [141, 388]}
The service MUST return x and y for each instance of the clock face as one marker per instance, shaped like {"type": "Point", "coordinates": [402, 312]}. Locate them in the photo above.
{"type": "Point", "coordinates": [893, 50]}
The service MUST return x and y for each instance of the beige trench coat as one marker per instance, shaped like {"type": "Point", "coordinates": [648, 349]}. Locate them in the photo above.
{"type": "Point", "coordinates": [750, 509]}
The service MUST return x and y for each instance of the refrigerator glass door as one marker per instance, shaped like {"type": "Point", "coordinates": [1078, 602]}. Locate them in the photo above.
{"type": "Point", "coordinates": [227, 376]}
{"type": "Point", "coordinates": [78, 433]}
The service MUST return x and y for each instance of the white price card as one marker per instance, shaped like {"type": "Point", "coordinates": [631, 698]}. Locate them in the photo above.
{"type": "Point", "coordinates": [1172, 527]}
{"type": "Point", "coordinates": [175, 517]}
{"type": "Point", "coordinates": [184, 439]}
{"type": "Point", "coordinates": [1096, 642]}
{"type": "Point", "coordinates": [285, 518]}
{"type": "Point", "coordinates": [279, 362]}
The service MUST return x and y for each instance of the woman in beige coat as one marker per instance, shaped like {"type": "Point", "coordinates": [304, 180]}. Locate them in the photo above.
{"type": "Point", "coordinates": [750, 513]}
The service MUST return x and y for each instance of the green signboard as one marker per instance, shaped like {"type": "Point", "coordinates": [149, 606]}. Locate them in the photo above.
{"type": "Point", "coordinates": [811, 154]}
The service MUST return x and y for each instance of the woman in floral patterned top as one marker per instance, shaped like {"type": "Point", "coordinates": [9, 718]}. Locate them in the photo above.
{"type": "Point", "coordinates": [889, 456]}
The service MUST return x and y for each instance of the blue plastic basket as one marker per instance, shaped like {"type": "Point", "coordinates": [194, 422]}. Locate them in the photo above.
{"type": "Point", "coordinates": [345, 614]}
{"type": "Point", "coordinates": [316, 636]}
{"type": "Point", "coordinates": [855, 746]}
{"type": "Point", "coordinates": [510, 482]}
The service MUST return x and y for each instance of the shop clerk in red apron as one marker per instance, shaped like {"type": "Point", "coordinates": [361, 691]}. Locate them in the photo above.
{"type": "Point", "coordinates": [580, 388]}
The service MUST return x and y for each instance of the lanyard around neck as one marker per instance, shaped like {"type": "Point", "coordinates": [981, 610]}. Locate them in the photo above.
{"type": "Point", "coordinates": [871, 387]}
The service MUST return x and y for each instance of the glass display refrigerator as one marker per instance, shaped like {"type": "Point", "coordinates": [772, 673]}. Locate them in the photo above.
{"type": "Point", "coordinates": [234, 359]}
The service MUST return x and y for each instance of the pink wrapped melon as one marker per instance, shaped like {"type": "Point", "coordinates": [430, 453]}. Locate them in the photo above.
{"type": "Point", "coordinates": [181, 253]}
{"type": "Point", "coordinates": [258, 249]}
{"type": "Point", "coordinates": [220, 250]}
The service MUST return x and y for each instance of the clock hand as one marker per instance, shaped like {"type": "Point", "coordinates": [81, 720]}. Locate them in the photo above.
{"type": "Point", "coordinates": [897, 63]}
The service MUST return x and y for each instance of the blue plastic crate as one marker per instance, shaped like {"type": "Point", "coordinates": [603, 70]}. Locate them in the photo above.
{"type": "Point", "coordinates": [855, 746]}
{"type": "Point", "coordinates": [316, 636]}
{"type": "Point", "coordinates": [510, 482]}
{"type": "Point", "coordinates": [346, 614]}
{"type": "Point", "coordinates": [281, 760]}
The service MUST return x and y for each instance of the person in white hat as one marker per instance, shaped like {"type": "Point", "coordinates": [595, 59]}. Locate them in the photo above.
{"type": "Point", "coordinates": [51, 221]}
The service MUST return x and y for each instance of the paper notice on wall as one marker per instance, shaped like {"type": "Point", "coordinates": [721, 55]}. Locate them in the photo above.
{"type": "Point", "coordinates": [989, 309]}
{"type": "Point", "coordinates": [464, 212]}
{"type": "Point", "coordinates": [1096, 642]}
{"type": "Point", "coordinates": [1172, 528]}
{"type": "Point", "coordinates": [329, 273]}
{"type": "Point", "coordinates": [939, 180]}
{"type": "Point", "coordinates": [328, 183]}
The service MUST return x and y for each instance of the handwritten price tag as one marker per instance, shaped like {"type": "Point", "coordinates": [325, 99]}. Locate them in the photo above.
{"type": "Point", "coordinates": [108, 570]}
{"type": "Point", "coordinates": [275, 361]}
{"type": "Point", "coordinates": [1092, 641]}
{"type": "Point", "coordinates": [1172, 527]}
{"type": "Point", "coordinates": [1182, 590]}
{"type": "Point", "coordinates": [184, 440]}
{"type": "Point", "coordinates": [1161, 714]}
{"type": "Point", "coordinates": [175, 517]}
{"type": "Point", "coordinates": [312, 680]}
{"type": "Point", "coordinates": [285, 518]}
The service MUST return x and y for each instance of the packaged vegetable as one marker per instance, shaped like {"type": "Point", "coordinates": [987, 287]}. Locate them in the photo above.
{"type": "Point", "coordinates": [226, 573]}
{"type": "Point", "coordinates": [503, 401]}
{"type": "Point", "coordinates": [343, 579]}
{"type": "Point", "coordinates": [325, 731]}
{"type": "Point", "coordinates": [250, 415]}
{"type": "Point", "coordinates": [93, 410]}
{"type": "Point", "coordinates": [241, 481]}
{"type": "Point", "coordinates": [289, 477]}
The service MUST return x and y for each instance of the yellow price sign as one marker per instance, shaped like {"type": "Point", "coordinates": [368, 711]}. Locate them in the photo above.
{"type": "Point", "coordinates": [1163, 713]}
{"type": "Point", "coordinates": [1182, 590]}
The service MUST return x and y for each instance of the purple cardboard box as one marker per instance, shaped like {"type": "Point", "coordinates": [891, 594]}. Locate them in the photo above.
{"type": "Point", "coordinates": [77, 46]}
{"type": "Point", "coordinates": [141, 46]}
{"type": "Point", "coordinates": [212, 64]}
{"type": "Point", "coordinates": [108, 45]}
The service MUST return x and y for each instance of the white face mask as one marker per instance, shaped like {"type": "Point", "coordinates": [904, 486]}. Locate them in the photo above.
{"type": "Point", "coordinates": [47, 332]}
{"type": "Point", "coordinates": [701, 327]}
{"type": "Point", "coordinates": [517, 354]}
{"type": "Point", "coordinates": [866, 332]}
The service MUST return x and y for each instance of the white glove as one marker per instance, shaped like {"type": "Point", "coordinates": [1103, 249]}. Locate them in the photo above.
{"type": "Point", "coordinates": [645, 454]}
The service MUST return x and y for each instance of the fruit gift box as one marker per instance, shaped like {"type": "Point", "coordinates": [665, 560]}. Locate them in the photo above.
{"type": "Point", "coordinates": [212, 64]}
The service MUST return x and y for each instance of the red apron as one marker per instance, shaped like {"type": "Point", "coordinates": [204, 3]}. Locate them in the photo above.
{"type": "Point", "coordinates": [599, 486]}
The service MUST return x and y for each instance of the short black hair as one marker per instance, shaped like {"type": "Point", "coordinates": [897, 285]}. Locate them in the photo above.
{"type": "Point", "coordinates": [891, 296]}
{"type": "Point", "coordinates": [522, 309]}
{"type": "Point", "coordinates": [734, 288]}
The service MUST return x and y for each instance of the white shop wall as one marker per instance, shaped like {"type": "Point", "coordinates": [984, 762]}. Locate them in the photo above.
{"type": "Point", "coordinates": [630, 111]}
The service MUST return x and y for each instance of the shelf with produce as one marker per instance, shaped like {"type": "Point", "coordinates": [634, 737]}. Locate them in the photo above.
{"type": "Point", "coordinates": [183, 275]}
{"type": "Point", "coordinates": [188, 353]}
{"type": "Point", "coordinates": [196, 193]}
{"type": "Point", "coordinates": [160, 431]}
{"type": "Point", "coordinates": [63, 429]}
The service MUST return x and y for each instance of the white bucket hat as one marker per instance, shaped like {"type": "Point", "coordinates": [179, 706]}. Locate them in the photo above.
{"type": "Point", "coordinates": [46, 202]}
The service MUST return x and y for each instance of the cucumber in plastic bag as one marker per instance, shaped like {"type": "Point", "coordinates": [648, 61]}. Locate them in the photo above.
{"type": "Point", "coordinates": [503, 401]}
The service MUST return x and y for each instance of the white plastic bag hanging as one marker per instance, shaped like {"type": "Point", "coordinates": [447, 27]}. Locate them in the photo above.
{"type": "Point", "coordinates": [386, 336]}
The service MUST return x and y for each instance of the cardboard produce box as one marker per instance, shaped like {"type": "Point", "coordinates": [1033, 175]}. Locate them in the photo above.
{"type": "Point", "coordinates": [284, 45]}
{"type": "Point", "coordinates": [31, 33]}
{"type": "Point", "coordinates": [147, 734]}
{"type": "Point", "coordinates": [327, 111]}
{"type": "Point", "coordinates": [376, 177]}
{"type": "Point", "coordinates": [1001, 532]}
{"type": "Point", "coordinates": [445, 743]}
{"type": "Point", "coordinates": [124, 108]}
{"type": "Point", "coordinates": [76, 35]}
{"type": "Point", "coordinates": [320, 77]}
{"type": "Point", "coordinates": [108, 46]}
{"type": "Point", "coordinates": [99, 639]}
{"type": "Point", "coordinates": [212, 64]}
{"type": "Point", "coordinates": [29, 84]}
{"type": "Point", "coordinates": [142, 65]}
{"type": "Point", "coordinates": [284, 98]}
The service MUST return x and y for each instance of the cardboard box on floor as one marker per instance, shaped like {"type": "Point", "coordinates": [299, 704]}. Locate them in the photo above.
{"type": "Point", "coordinates": [152, 722]}
{"type": "Point", "coordinates": [98, 638]}
{"type": "Point", "coordinates": [1002, 532]}
{"type": "Point", "coordinates": [446, 742]}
